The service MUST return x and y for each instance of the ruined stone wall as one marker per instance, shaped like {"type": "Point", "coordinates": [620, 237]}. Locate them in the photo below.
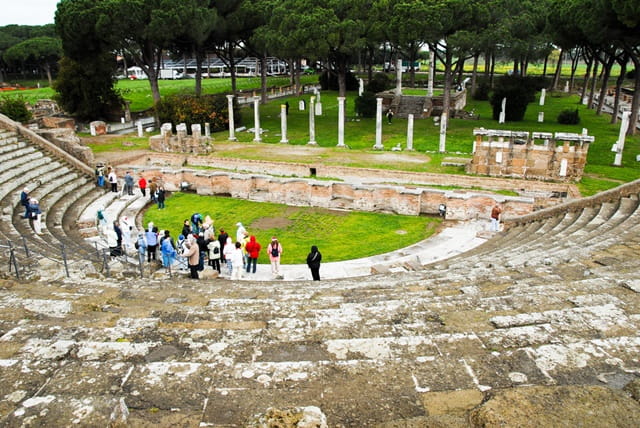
{"type": "Point", "coordinates": [353, 174]}
{"type": "Point", "coordinates": [335, 195]}
{"type": "Point", "coordinates": [543, 156]}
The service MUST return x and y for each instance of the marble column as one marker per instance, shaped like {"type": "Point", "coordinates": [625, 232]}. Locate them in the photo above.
{"type": "Point", "coordinates": [410, 132]}
{"type": "Point", "coordinates": [399, 77]}
{"type": "Point", "coordinates": [256, 120]}
{"type": "Point", "coordinates": [378, 145]}
{"type": "Point", "coordinates": [503, 112]}
{"type": "Point", "coordinates": [621, 137]}
{"type": "Point", "coordinates": [232, 126]}
{"type": "Point", "coordinates": [432, 70]}
{"type": "Point", "coordinates": [443, 133]}
{"type": "Point", "coordinates": [341, 101]}
{"type": "Point", "coordinates": [312, 122]}
{"type": "Point", "coordinates": [283, 123]}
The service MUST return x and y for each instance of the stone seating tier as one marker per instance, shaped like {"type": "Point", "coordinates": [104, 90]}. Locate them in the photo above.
{"type": "Point", "coordinates": [215, 354]}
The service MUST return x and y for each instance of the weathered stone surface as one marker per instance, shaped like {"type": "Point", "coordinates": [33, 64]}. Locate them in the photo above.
{"type": "Point", "coordinates": [563, 406]}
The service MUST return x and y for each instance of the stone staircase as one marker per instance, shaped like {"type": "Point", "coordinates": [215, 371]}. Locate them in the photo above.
{"type": "Point", "coordinates": [553, 301]}
{"type": "Point", "coordinates": [59, 187]}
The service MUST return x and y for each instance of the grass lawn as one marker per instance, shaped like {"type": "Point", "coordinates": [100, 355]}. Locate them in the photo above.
{"type": "Point", "coordinates": [339, 235]}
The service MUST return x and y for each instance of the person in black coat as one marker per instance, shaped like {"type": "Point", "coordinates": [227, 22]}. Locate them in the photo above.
{"type": "Point", "coordinates": [118, 230]}
{"type": "Point", "coordinates": [313, 261]}
{"type": "Point", "coordinates": [186, 228]}
{"type": "Point", "coordinates": [222, 238]}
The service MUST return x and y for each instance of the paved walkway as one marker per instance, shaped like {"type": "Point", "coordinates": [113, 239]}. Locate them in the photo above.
{"type": "Point", "coordinates": [453, 240]}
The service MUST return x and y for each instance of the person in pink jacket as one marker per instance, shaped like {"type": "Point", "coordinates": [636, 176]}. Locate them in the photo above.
{"type": "Point", "coordinates": [193, 255]}
{"type": "Point", "coordinates": [275, 251]}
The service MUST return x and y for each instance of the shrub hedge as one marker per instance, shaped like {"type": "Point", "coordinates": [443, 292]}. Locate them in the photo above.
{"type": "Point", "coordinates": [189, 109]}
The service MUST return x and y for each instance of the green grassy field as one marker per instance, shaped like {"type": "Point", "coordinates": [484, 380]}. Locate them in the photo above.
{"type": "Point", "coordinates": [339, 235]}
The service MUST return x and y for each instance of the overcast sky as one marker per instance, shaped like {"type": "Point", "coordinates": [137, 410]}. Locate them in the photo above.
{"type": "Point", "coordinates": [27, 12]}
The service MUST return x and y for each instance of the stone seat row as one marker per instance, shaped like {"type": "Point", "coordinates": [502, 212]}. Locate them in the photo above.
{"type": "Point", "coordinates": [287, 338]}
{"type": "Point", "coordinates": [53, 182]}
{"type": "Point", "coordinates": [562, 232]}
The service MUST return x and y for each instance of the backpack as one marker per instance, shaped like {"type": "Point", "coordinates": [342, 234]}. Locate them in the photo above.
{"type": "Point", "coordinates": [274, 251]}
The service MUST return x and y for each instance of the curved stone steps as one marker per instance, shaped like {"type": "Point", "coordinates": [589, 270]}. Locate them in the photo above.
{"type": "Point", "coordinates": [518, 251]}
{"type": "Point", "coordinates": [74, 211]}
{"type": "Point", "coordinates": [502, 241]}
{"type": "Point", "coordinates": [7, 147]}
{"type": "Point", "coordinates": [17, 152]}
{"type": "Point", "coordinates": [385, 336]}
{"type": "Point", "coordinates": [18, 169]}
{"type": "Point", "coordinates": [8, 138]}
{"type": "Point", "coordinates": [58, 203]}
{"type": "Point", "coordinates": [530, 241]}
{"type": "Point", "coordinates": [626, 217]}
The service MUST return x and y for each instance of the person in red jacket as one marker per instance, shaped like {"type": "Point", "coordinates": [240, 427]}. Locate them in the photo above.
{"type": "Point", "coordinates": [253, 250]}
{"type": "Point", "coordinates": [142, 184]}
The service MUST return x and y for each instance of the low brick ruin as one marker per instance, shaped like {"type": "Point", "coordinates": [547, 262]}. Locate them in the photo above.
{"type": "Point", "coordinates": [182, 142]}
{"type": "Point", "coordinates": [539, 155]}
{"type": "Point", "coordinates": [335, 195]}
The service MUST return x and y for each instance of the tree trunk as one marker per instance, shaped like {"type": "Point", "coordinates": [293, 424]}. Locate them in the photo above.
{"type": "Point", "coordinates": [487, 65]}
{"type": "Point", "coordinates": [556, 76]}
{"type": "Point", "coordinates": [544, 68]}
{"type": "Point", "coordinates": [460, 70]}
{"type": "Point", "coordinates": [293, 66]}
{"type": "Point", "coordinates": [594, 82]}
{"type": "Point", "coordinates": [47, 69]}
{"type": "Point", "coordinates": [635, 104]}
{"type": "Point", "coordinates": [474, 73]}
{"type": "Point", "coordinates": [370, 54]}
{"type": "Point", "coordinates": [448, 78]}
{"type": "Point", "coordinates": [342, 78]}
{"type": "Point", "coordinates": [619, 82]}
{"type": "Point", "coordinates": [232, 71]}
{"type": "Point", "coordinates": [198, 88]}
{"type": "Point", "coordinates": [574, 67]}
{"type": "Point", "coordinates": [263, 79]}
{"type": "Point", "coordinates": [585, 81]}
{"type": "Point", "coordinates": [296, 76]}
{"type": "Point", "coordinates": [493, 69]}
{"type": "Point", "coordinates": [605, 81]}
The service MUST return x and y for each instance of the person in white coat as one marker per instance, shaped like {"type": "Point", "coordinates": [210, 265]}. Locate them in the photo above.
{"type": "Point", "coordinates": [236, 261]}
{"type": "Point", "coordinates": [241, 232]}
{"type": "Point", "coordinates": [229, 247]}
